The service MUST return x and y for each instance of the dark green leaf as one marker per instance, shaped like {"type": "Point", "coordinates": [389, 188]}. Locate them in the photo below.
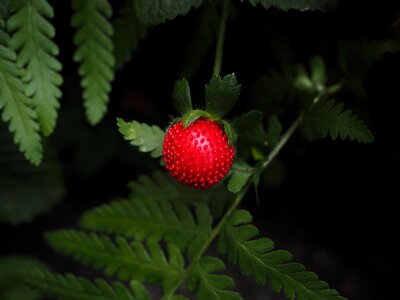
{"type": "Point", "coordinates": [16, 106]}
{"type": "Point", "coordinates": [159, 208]}
{"type": "Point", "coordinates": [274, 131]}
{"type": "Point", "coordinates": [181, 96]}
{"type": "Point", "coordinates": [241, 172]}
{"type": "Point", "coordinates": [154, 12]}
{"type": "Point", "coordinates": [247, 122]}
{"type": "Point", "coordinates": [37, 54]}
{"type": "Point", "coordinates": [222, 94]}
{"type": "Point", "coordinates": [147, 138]}
{"type": "Point", "coordinates": [26, 191]}
{"type": "Point", "coordinates": [256, 256]}
{"type": "Point", "coordinates": [285, 5]}
{"type": "Point", "coordinates": [356, 57]}
{"type": "Point", "coordinates": [70, 287]}
{"type": "Point", "coordinates": [4, 8]}
{"type": "Point", "coordinates": [94, 53]}
{"type": "Point", "coordinates": [318, 72]}
{"type": "Point", "coordinates": [208, 285]}
{"type": "Point", "coordinates": [128, 260]}
{"type": "Point", "coordinates": [128, 33]}
{"type": "Point", "coordinates": [326, 116]}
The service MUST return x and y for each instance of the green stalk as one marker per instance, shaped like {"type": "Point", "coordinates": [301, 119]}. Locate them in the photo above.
{"type": "Point", "coordinates": [221, 37]}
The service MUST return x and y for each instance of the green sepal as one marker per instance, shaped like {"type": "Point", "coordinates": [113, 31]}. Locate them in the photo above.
{"type": "Point", "coordinates": [181, 96]}
{"type": "Point", "coordinates": [232, 136]}
{"type": "Point", "coordinates": [221, 94]}
{"type": "Point", "coordinates": [195, 114]}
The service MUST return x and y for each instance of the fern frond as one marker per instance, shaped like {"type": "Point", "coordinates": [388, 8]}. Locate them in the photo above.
{"type": "Point", "coordinates": [153, 218]}
{"type": "Point", "coordinates": [15, 104]}
{"type": "Point", "coordinates": [147, 138]}
{"type": "Point", "coordinates": [127, 260]}
{"type": "Point", "coordinates": [95, 54]}
{"type": "Point", "coordinates": [257, 257]}
{"type": "Point", "coordinates": [208, 285]}
{"type": "Point", "coordinates": [127, 34]}
{"type": "Point", "coordinates": [326, 116]}
{"type": "Point", "coordinates": [69, 287]}
{"type": "Point", "coordinates": [36, 53]}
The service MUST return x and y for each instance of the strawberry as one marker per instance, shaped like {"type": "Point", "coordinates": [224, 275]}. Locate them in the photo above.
{"type": "Point", "coordinates": [199, 155]}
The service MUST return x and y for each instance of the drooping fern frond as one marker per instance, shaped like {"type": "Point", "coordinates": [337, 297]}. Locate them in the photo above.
{"type": "Point", "coordinates": [94, 53]}
{"type": "Point", "coordinates": [147, 138]}
{"type": "Point", "coordinates": [153, 218]}
{"type": "Point", "coordinates": [129, 260]}
{"type": "Point", "coordinates": [257, 257]}
{"type": "Point", "coordinates": [208, 285]}
{"type": "Point", "coordinates": [154, 12]}
{"type": "Point", "coordinates": [70, 287]}
{"type": "Point", "coordinates": [127, 34]}
{"type": "Point", "coordinates": [15, 104]}
{"type": "Point", "coordinates": [36, 53]}
{"type": "Point", "coordinates": [326, 116]}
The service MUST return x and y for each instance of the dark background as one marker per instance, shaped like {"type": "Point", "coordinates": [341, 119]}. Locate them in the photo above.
{"type": "Point", "coordinates": [335, 205]}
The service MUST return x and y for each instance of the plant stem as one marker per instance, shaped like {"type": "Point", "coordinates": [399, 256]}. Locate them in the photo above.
{"type": "Point", "coordinates": [221, 37]}
{"type": "Point", "coordinates": [285, 137]}
{"type": "Point", "coordinates": [216, 230]}
{"type": "Point", "coordinates": [208, 242]}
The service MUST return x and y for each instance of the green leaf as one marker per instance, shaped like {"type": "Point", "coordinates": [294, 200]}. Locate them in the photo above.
{"type": "Point", "coordinates": [247, 122]}
{"type": "Point", "coordinates": [274, 131]}
{"type": "Point", "coordinates": [285, 5]}
{"type": "Point", "coordinates": [201, 40]}
{"type": "Point", "coordinates": [181, 96]}
{"type": "Point", "coordinates": [155, 211]}
{"type": "Point", "coordinates": [26, 191]}
{"type": "Point", "coordinates": [128, 260]}
{"type": "Point", "coordinates": [154, 12]}
{"type": "Point", "coordinates": [147, 138]}
{"type": "Point", "coordinates": [208, 285]}
{"type": "Point", "coordinates": [93, 39]}
{"type": "Point", "coordinates": [193, 115]}
{"type": "Point", "coordinates": [326, 116]}
{"type": "Point", "coordinates": [241, 173]}
{"type": "Point", "coordinates": [17, 107]}
{"type": "Point", "coordinates": [36, 53]}
{"type": "Point", "coordinates": [222, 94]}
{"type": "Point", "coordinates": [4, 8]}
{"type": "Point", "coordinates": [69, 287]}
{"type": "Point", "coordinates": [12, 268]}
{"type": "Point", "coordinates": [128, 33]}
{"type": "Point", "coordinates": [356, 57]}
{"type": "Point", "coordinates": [318, 71]}
{"type": "Point", "coordinates": [258, 257]}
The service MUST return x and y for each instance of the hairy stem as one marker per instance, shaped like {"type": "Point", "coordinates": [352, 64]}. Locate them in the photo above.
{"type": "Point", "coordinates": [221, 37]}
{"type": "Point", "coordinates": [216, 230]}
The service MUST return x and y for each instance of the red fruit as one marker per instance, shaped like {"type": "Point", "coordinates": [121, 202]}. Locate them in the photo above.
{"type": "Point", "coordinates": [198, 156]}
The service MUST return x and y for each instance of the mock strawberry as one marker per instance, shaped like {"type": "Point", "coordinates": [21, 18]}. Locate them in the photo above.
{"type": "Point", "coordinates": [198, 156]}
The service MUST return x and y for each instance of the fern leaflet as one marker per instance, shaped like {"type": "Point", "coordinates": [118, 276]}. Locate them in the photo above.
{"type": "Point", "coordinates": [36, 52]}
{"type": "Point", "coordinates": [95, 54]}
{"type": "Point", "coordinates": [127, 260]}
{"type": "Point", "coordinates": [211, 286]}
{"type": "Point", "coordinates": [258, 257]}
{"type": "Point", "coordinates": [153, 219]}
{"type": "Point", "coordinates": [326, 116]}
{"type": "Point", "coordinates": [69, 287]}
{"type": "Point", "coordinates": [15, 104]}
{"type": "Point", "coordinates": [147, 138]}
{"type": "Point", "coordinates": [127, 34]}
